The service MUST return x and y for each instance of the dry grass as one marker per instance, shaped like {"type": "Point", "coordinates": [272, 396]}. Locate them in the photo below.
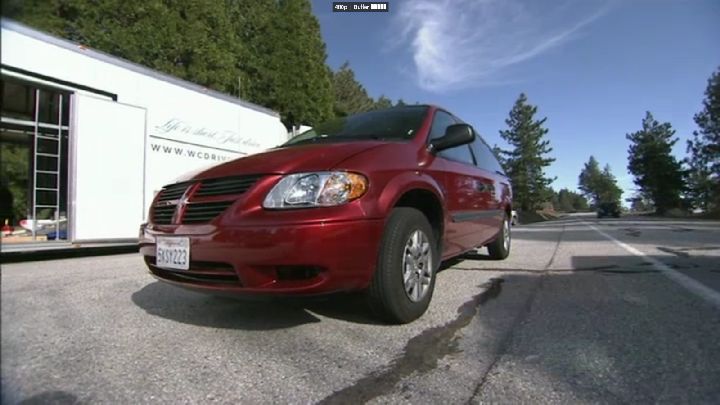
{"type": "Point", "coordinates": [529, 217]}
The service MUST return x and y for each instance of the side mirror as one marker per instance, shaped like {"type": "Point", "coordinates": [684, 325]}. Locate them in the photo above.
{"type": "Point", "coordinates": [455, 135]}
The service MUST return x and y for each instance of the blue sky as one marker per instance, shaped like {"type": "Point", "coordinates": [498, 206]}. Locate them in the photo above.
{"type": "Point", "coordinates": [593, 67]}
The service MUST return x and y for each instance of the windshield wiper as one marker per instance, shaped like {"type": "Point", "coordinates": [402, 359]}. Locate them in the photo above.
{"type": "Point", "coordinates": [304, 141]}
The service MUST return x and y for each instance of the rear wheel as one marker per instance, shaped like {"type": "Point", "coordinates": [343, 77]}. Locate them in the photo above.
{"type": "Point", "coordinates": [404, 281]}
{"type": "Point", "coordinates": [499, 249]}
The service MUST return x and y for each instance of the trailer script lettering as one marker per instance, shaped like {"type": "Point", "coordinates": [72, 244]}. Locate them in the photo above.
{"type": "Point", "coordinates": [176, 126]}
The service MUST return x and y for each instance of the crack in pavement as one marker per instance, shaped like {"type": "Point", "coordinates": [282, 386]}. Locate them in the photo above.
{"type": "Point", "coordinates": [613, 268]}
{"type": "Point", "coordinates": [630, 271]}
{"type": "Point", "coordinates": [680, 229]}
{"type": "Point", "coordinates": [557, 248]}
{"type": "Point", "coordinates": [685, 249]}
{"type": "Point", "coordinates": [632, 232]}
{"type": "Point", "coordinates": [677, 253]}
{"type": "Point", "coordinates": [509, 335]}
{"type": "Point", "coordinates": [519, 318]}
{"type": "Point", "coordinates": [421, 353]}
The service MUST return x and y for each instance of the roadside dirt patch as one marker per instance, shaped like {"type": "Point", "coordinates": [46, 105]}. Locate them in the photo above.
{"type": "Point", "coordinates": [530, 217]}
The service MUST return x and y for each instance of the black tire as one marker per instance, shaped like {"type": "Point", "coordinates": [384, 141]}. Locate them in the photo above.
{"type": "Point", "coordinates": [498, 248]}
{"type": "Point", "coordinates": [387, 294]}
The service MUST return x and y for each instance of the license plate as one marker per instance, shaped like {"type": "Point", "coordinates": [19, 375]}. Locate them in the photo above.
{"type": "Point", "coordinates": [172, 253]}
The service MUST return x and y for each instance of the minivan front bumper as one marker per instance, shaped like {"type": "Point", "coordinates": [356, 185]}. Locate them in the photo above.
{"type": "Point", "coordinates": [294, 259]}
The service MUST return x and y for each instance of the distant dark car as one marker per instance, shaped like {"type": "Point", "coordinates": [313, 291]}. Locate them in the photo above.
{"type": "Point", "coordinates": [609, 210]}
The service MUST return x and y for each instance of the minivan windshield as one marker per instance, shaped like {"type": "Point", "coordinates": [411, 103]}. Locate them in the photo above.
{"type": "Point", "coordinates": [394, 124]}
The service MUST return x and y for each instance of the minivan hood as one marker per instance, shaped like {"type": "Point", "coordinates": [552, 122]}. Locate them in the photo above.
{"type": "Point", "coordinates": [291, 159]}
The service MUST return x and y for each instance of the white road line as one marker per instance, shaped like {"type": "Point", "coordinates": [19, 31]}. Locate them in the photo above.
{"type": "Point", "coordinates": [692, 285]}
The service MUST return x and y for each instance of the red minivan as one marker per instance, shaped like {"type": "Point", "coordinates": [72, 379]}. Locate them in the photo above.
{"type": "Point", "coordinates": [371, 202]}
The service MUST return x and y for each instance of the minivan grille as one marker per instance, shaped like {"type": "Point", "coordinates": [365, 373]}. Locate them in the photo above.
{"type": "Point", "coordinates": [226, 185]}
{"type": "Point", "coordinates": [196, 212]}
{"type": "Point", "coordinates": [172, 192]}
{"type": "Point", "coordinates": [163, 214]}
{"type": "Point", "coordinates": [204, 211]}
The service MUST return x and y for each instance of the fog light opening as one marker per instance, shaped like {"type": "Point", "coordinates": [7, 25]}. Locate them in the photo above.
{"type": "Point", "coordinates": [288, 273]}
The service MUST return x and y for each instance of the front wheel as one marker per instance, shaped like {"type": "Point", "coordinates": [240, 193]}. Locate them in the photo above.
{"type": "Point", "coordinates": [499, 249]}
{"type": "Point", "coordinates": [404, 281]}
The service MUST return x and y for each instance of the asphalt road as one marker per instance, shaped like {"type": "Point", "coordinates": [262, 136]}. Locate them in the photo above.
{"type": "Point", "coordinates": [571, 317]}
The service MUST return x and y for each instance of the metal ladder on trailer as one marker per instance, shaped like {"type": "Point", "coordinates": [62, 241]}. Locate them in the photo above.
{"type": "Point", "coordinates": [55, 172]}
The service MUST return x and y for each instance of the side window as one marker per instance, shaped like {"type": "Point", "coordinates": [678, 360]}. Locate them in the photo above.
{"type": "Point", "coordinates": [486, 159]}
{"type": "Point", "coordinates": [460, 153]}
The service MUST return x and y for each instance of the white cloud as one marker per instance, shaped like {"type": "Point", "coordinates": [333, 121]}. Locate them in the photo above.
{"type": "Point", "coordinates": [469, 43]}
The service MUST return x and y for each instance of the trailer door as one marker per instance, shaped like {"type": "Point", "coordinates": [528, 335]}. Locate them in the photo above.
{"type": "Point", "coordinates": [107, 175]}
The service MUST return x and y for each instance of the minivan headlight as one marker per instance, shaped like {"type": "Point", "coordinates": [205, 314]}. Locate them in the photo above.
{"type": "Point", "coordinates": [319, 189]}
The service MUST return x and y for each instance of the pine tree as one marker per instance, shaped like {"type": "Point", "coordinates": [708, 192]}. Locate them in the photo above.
{"type": "Point", "coordinates": [303, 88]}
{"type": "Point", "coordinates": [551, 197]}
{"type": "Point", "coordinates": [382, 102]}
{"type": "Point", "coordinates": [193, 41]}
{"type": "Point", "coordinates": [267, 51]}
{"type": "Point", "coordinates": [589, 181]}
{"type": "Point", "coordinates": [499, 154]}
{"type": "Point", "coordinates": [609, 190]}
{"type": "Point", "coordinates": [657, 173]}
{"type": "Point", "coordinates": [579, 203]}
{"type": "Point", "coordinates": [640, 202]}
{"type": "Point", "coordinates": [570, 201]}
{"type": "Point", "coordinates": [254, 27]}
{"type": "Point", "coordinates": [704, 150]}
{"type": "Point", "coordinates": [598, 185]}
{"type": "Point", "coordinates": [350, 95]}
{"type": "Point", "coordinates": [525, 163]}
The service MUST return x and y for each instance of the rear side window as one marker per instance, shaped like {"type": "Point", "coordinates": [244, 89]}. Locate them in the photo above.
{"type": "Point", "coordinates": [485, 157]}
{"type": "Point", "coordinates": [461, 153]}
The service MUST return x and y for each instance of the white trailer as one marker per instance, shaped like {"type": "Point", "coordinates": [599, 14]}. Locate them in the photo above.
{"type": "Point", "coordinates": [101, 135]}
